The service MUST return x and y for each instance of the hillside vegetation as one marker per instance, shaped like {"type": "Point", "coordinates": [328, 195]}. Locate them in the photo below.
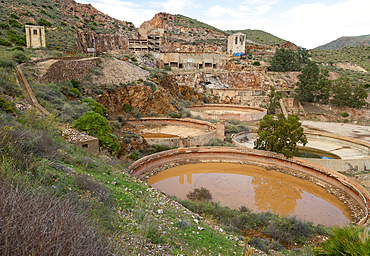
{"type": "Point", "coordinates": [259, 36]}
{"type": "Point", "coordinates": [62, 19]}
{"type": "Point", "coordinates": [346, 41]}
{"type": "Point", "coordinates": [359, 55]}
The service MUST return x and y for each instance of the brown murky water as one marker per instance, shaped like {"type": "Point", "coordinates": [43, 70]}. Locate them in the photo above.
{"type": "Point", "coordinates": [258, 189]}
{"type": "Point", "coordinates": [158, 135]}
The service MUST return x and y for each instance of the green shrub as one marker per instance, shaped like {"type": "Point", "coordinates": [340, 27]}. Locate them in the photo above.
{"type": "Point", "coordinates": [63, 23]}
{"type": "Point", "coordinates": [19, 57]}
{"type": "Point", "coordinates": [14, 23]}
{"type": "Point", "coordinates": [43, 12]}
{"type": "Point", "coordinates": [5, 106]}
{"type": "Point", "coordinates": [134, 156]}
{"type": "Point", "coordinates": [95, 106]}
{"type": "Point", "coordinates": [167, 68]}
{"type": "Point", "coordinates": [18, 48]}
{"type": "Point", "coordinates": [116, 124]}
{"type": "Point", "coordinates": [256, 63]}
{"type": "Point", "coordinates": [345, 114]}
{"type": "Point", "coordinates": [4, 25]}
{"type": "Point", "coordinates": [75, 92]}
{"type": "Point", "coordinates": [121, 118]}
{"type": "Point", "coordinates": [4, 42]}
{"type": "Point", "coordinates": [347, 240]}
{"type": "Point", "coordinates": [133, 59]}
{"type": "Point", "coordinates": [43, 22]}
{"type": "Point", "coordinates": [127, 108]}
{"type": "Point", "coordinates": [13, 16]}
{"type": "Point", "coordinates": [95, 125]}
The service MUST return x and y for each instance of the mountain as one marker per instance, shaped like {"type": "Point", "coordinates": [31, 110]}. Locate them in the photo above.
{"type": "Point", "coordinates": [346, 41]}
{"type": "Point", "coordinates": [259, 36]}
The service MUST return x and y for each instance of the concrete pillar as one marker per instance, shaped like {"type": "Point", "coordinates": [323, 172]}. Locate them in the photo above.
{"type": "Point", "coordinates": [220, 130]}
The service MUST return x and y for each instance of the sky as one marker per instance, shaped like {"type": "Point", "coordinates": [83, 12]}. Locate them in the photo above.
{"type": "Point", "coordinates": [306, 23]}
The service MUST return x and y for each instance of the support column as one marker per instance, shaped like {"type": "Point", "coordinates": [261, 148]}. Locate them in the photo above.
{"type": "Point", "coordinates": [220, 130]}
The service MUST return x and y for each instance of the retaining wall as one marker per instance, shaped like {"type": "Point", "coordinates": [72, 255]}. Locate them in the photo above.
{"type": "Point", "coordinates": [346, 190]}
{"type": "Point", "coordinates": [189, 141]}
{"type": "Point", "coordinates": [247, 113]}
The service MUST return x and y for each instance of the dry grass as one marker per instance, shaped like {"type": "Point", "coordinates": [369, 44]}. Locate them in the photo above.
{"type": "Point", "coordinates": [37, 223]}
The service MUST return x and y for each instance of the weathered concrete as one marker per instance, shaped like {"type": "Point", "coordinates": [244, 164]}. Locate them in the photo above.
{"type": "Point", "coordinates": [346, 190]}
{"type": "Point", "coordinates": [193, 60]}
{"type": "Point", "coordinates": [206, 131]}
{"type": "Point", "coordinates": [227, 112]}
{"type": "Point", "coordinates": [35, 36]}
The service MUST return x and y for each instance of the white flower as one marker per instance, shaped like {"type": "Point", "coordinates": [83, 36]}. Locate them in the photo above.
{"type": "Point", "coordinates": [160, 211]}
{"type": "Point", "coordinates": [196, 221]}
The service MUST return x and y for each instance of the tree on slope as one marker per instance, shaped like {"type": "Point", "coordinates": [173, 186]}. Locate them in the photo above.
{"type": "Point", "coordinates": [313, 85]}
{"type": "Point", "coordinates": [281, 135]}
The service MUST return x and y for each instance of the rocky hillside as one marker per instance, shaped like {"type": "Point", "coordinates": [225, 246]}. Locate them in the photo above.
{"type": "Point", "coordinates": [191, 35]}
{"type": "Point", "coordinates": [359, 56]}
{"type": "Point", "coordinates": [342, 42]}
{"type": "Point", "coordinates": [63, 20]}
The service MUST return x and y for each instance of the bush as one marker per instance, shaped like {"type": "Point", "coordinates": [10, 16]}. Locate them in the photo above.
{"type": "Point", "coordinates": [134, 156]}
{"type": "Point", "coordinates": [94, 106]}
{"type": "Point", "coordinates": [256, 63]}
{"type": "Point", "coordinates": [4, 42]}
{"type": "Point", "coordinates": [18, 48]}
{"type": "Point", "coordinates": [199, 194]}
{"type": "Point", "coordinates": [121, 118]}
{"type": "Point", "coordinates": [43, 22]}
{"type": "Point", "coordinates": [20, 57]}
{"type": "Point", "coordinates": [167, 68]}
{"type": "Point", "coordinates": [5, 106]}
{"type": "Point", "coordinates": [14, 23]}
{"type": "Point", "coordinates": [345, 114]}
{"type": "Point", "coordinates": [36, 221]}
{"type": "Point", "coordinates": [4, 25]}
{"type": "Point", "coordinates": [14, 16]}
{"type": "Point", "coordinates": [348, 240]}
{"type": "Point", "coordinates": [75, 92]}
{"type": "Point", "coordinates": [116, 124]}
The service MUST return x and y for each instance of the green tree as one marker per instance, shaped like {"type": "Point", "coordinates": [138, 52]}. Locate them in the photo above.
{"type": "Point", "coordinates": [285, 60]}
{"type": "Point", "coordinates": [95, 125]}
{"type": "Point", "coordinates": [274, 98]}
{"type": "Point", "coordinates": [281, 135]}
{"type": "Point", "coordinates": [313, 85]}
{"type": "Point", "coordinates": [345, 95]}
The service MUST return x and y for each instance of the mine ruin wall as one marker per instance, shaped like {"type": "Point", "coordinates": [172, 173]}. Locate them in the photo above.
{"type": "Point", "coordinates": [338, 183]}
{"type": "Point", "coordinates": [245, 116]}
{"type": "Point", "coordinates": [190, 141]}
{"type": "Point", "coordinates": [65, 70]}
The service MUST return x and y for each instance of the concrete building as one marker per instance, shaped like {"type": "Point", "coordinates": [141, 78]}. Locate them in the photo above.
{"type": "Point", "coordinates": [149, 40]}
{"type": "Point", "coordinates": [35, 36]}
{"type": "Point", "coordinates": [236, 44]}
{"type": "Point", "coordinates": [193, 60]}
{"type": "Point", "coordinates": [253, 97]}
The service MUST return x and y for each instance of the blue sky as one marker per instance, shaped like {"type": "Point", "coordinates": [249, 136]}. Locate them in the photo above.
{"type": "Point", "coordinates": [306, 23]}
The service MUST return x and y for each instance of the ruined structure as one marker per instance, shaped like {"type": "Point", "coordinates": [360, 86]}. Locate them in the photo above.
{"type": "Point", "coordinates": [100, 42]}
{"type": "Point", "coordinates": [187, 60]}
{"type": "Point", "coordinates": [149, 40]}
{"type": "Point", "coordinates": [81, 140]}
{"type": "Point", "coordinates": [35, 36]}
{"type": "Point", "coordinates": [236, 44]}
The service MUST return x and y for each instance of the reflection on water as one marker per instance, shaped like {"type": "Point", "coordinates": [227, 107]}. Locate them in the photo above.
{"type": "Point", "coordinates": [258, 189]}
{"type": "Point", "coordinates": [307, 152]}
{"type": "Point", "coordinates": [275, 196]}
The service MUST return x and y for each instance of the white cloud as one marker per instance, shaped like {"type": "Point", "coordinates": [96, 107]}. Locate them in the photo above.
{"type": "Point", "coordinates": [218, 11]}
{"type": "Point", "coordinates": [126, 11]}
{"type": "Point", "coordinates": [316, 24]}
{"type": "Point", "coordinates": [175, 6]}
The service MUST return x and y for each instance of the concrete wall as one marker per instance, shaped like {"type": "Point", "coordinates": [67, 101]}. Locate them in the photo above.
{"type": "Point", "coordinates": [179, 60]}
{"type": "Point", "coordinates": [190, 141]}
{"type": "Point", "coordinates": [236, 43]}
{"type": "Point", "coordinates": [346, 190]}
{"type": "Point", "coordinates": [90, 146]}
{"type": "Point", "coordinates": [35, 36]}
{"type": "Point", "coordinates": [247, 113]}
{"type": "Point", "coordinates": [253, 97]}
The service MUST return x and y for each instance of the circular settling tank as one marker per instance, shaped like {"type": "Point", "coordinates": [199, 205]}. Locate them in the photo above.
{"type": "Point", "coordinates": [175, 132]}
{"type": "Point", "coordinates": [257, 188]}
{"type": "Point", "coordinates": [259, 180]}
{"type": "Point", "coordinates": [226, 112]}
